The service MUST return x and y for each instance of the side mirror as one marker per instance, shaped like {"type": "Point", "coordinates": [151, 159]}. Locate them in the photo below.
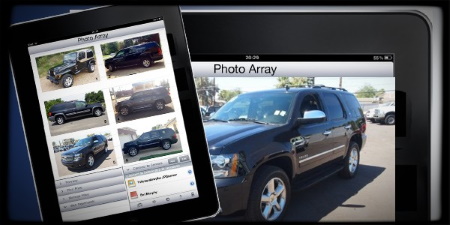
{"type": "Point", "coordinates": [313, 116]}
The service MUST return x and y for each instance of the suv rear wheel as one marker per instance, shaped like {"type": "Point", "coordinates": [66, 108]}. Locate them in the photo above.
{"type": "Point", "coordinates": [67, 80]}
{"type": "Point", "coordinates": [351, 161]}
{"type": "Point", "coordinates": [147, 62]}
{"type": "Point", "coordinates": [133, 151]}
{"type": "Point", "coordinates": [160, 105]}
{"type": "Point", "coordinates": [166, 145]}
{"type": "Point", "coordinates": [270, 195]}
{"type": "Point", "coordinates": [91, 67]}
{"type": "Point", "coordinates": [60, 120]}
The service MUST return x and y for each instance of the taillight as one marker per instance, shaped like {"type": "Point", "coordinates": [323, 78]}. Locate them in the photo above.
{"type": "Point", "coordinates": [159, 51]}
{"type": "Point", "coordinates": [174, 136]}
{"type": "Point", "coordinates": [363, 128]}
{"type": "Point", "coordinates": [49, 113]}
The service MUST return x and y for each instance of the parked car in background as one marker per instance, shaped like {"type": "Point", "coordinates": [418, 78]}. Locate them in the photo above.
{"type": "Point", "coordinates": [263, 144]}
{"type": "Point", "coordinates": [370, 113]}
{"type": "Point", "coordinates": [155, 98]}
{"type": "Point", "coordinates": [61, 112]}
{"type": "Point", "coordinates": [143, 54]}
{"type": "Point", "coordinates": [73, 63]}
{"type": "Point", "coordinates": [84, 152]}
{"type": "Point", "coordinates": [385, 114]}
{"type": "Point", "coordinates": [162, 138]}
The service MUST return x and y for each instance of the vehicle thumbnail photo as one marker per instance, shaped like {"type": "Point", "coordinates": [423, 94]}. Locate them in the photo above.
{"type": "Point", "coordinates": [132, 56]}
{"type": "Point", "coordinates": [66, 69]}
{"type": "Point", "coordinates": [150, 139]}
{"type": "Point", "coordinates": [84, 153]}
{"type": "Point", "coordinates": [76, 112]}
{"type": "Point", "coordinates": [142, 99]}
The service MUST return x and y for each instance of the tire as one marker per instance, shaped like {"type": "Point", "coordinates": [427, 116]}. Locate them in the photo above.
{"type": "Point", "coordinates": [257, 206]}
{"type": "Point", "coordinates": [166, 145]}
{"type": "Point", "coordinates": [67, 80]}
{"type": "Point", "coordinates": [372, 120]}
{"type": "Point", "coordinates": [133, 151]}
{"type": "Point", "coordinates": [351, 161]}
{"type": "Point", "coordinates": [124, 111]}
{"type": "Point", "coordinates": [90, 161]}
{"type": "Point", "coordinates": [159, 105]}
{"type": "Point", "coordinates": [389, 119]}
{"type": "Point", "coordinates": [60, 120]}
{"type": "Point", "coordinates": [98, 112]}
{"type": "Point", "coordinates": [147, 62]}
{"type": "Point", "coordinates": [111, 68]}
{"type": "Point", "coordinates": [91, 67]}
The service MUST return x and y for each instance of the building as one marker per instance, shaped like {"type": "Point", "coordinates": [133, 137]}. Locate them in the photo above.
{"type": "Point", "coordinates": [126, 134]}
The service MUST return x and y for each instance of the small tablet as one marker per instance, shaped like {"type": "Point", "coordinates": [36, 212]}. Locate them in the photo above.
{"type": "Point", "coordinates": [111, 116]}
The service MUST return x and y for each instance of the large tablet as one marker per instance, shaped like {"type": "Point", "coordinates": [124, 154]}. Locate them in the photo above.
{"type": "Point", "coordinates": [394, 50]}
{"type": "Point", "coordinates": [110, 116]}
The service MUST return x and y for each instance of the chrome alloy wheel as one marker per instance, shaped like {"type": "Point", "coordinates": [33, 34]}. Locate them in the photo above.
{"type": "Point", "coordinates": [91, 160]}
{"type": "Point", "coordinates": [273, 199]}
{"type": "Point", "coordinates": [353, 160]}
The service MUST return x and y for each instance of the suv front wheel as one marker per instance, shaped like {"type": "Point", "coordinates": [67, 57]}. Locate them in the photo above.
{"type": "Point", "coordinates": [133, 151]}
{"type": "Point", "coordinates": [147, 62]}
{"type": "Point", "coordinates": [124, 111]}
{"type": "Point", "coordinates": [269, 198]}
{"type": "Point", "coordinates": [67, 80]}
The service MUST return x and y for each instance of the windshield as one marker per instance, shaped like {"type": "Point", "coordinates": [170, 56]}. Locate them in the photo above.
{"type": "Point", "coordinates": [71, 57]}
{"type": "Point", "coordinates": [271, 108]}
{"type": "Point", "coordinates": [83, 142]}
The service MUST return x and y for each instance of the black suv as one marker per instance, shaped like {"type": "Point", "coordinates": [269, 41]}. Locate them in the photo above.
{"type": "Point", "coordinates": [263, 143]}
{"type": "Point", "coordinates": [73, 63]}
{"type": "Point", "coordinates": [143, 54]}
{"type": "Point", "coordinates": [163, 138]}
{"type": "Point", "coordinates": [84, 152]}
{"type": "Point", "coordinates": [152, 98]}
{"type": "Point", "coordinates": [61, 112]}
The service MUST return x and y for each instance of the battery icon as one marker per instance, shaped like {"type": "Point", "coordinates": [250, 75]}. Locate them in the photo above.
{"type": "Point", "coordinates": [388, 57]}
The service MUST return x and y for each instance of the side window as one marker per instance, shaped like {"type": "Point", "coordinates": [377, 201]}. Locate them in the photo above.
{"type": "Point", "coordinates": [334, 106]}
{"type": "Point", "coordinates": [154, 134]}
{"type": "Point", "coordinates": [80, 105]}
{"type": "Point", "coordinates": [119, 54]}
{"type": "Point", "coordinates": [90, 54]}
{"type": "Point", "coordinates": [144, 136]}
{"type": "Point", "coordinates": [70, 105]}
{"type": "Point", "coordinates": [353, 105]}
{"type": "Point", "coordinates": [81, 55]}
{"type": "Point", "coordinates": [310, 102]}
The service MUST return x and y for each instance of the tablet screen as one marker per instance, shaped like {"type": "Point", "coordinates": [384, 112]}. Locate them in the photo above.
{"type": "Point", "coordinates": [113, 122]}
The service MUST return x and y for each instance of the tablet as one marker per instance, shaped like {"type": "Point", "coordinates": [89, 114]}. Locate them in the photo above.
{"type": "Point", "coordinates": [382, 55]}
{"type": "Point", "coordinates": [110, 116]}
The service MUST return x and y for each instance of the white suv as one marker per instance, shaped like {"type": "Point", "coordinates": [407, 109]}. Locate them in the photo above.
{"type": "Point", "coordinates": [384, 114]}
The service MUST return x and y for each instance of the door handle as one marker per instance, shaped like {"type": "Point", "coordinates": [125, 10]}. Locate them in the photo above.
{"type": "Point", "coordinates": [326, 133]}
{"type": "Point", "coordinates": [348, 127]}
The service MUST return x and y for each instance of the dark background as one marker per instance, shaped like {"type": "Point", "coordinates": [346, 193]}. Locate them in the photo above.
{"type": "Point", "coordinates": [17, 183]}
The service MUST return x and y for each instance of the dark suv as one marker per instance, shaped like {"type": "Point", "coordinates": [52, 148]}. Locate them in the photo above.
{"type": "Point", "coordinates": [264, 143]}
{"type": "Point", "coordinates": [84, 152]}
{"type": "Point", "coordinates": [152, 98]}
{"type": "Point", "coordinates": [163, 138]}
{"type": "Point", "coordinates": [73, 63]}
{"type": "Point", "coordinates": [61, 112]}
{"type": "Point", "coordinates": [143, 54]}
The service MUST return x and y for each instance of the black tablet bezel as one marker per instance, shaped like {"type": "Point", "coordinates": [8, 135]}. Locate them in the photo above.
{"type": "Point", "coordinates": [22, 35]}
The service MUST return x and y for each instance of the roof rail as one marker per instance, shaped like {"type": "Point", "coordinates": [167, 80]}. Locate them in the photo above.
{"type": "Point", "coordinates": [332, 88]}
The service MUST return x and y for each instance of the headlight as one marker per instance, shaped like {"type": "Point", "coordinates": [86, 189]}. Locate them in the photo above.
{"type": "Point", "coordinates": [226, 165]}
{"type": "Point", "coordinates": [78, 157]}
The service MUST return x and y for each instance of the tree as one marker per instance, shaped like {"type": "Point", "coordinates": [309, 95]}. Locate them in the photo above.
{"type": "Point", "coordinates": [164, 83]}
{"type": "Point", "coordinates": [206, 90]}
{"type": "Point", "coordinates": [109, 48]}
{"type": "Point", "coordinates": [93, 97]}
{"type": "Point", "coordinates": [291, 81]}
{"type": "Point", "coordinates": [49, 104]}
{"type": "Point", "coordinates": [367, 91]}
{"type": "Point", "coordinates": [226, 95]}
{"type": "Point", "coordinates": [90, 135]}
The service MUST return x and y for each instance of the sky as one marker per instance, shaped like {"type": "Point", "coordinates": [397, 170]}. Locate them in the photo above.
{"type": "Point", "coordinates": [352, 84]}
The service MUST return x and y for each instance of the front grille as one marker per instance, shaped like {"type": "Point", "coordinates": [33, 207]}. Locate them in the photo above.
{"type": "Point", "coordinates": [67, 158]}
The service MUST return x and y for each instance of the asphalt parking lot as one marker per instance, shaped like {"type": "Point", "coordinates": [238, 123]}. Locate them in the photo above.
{"type": "Point", "coordinates": [369, 197]}
{"type": "Point", "coordinates": [81, 123]}
{"type": "Point", "coordinates": [151, 151]}
{"type": "Point", "coordinates": [144, 113]}
{"type": "Point", "coordinates": [126, 71]}
{"type": "Point", "coordinates": [102, 160]}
